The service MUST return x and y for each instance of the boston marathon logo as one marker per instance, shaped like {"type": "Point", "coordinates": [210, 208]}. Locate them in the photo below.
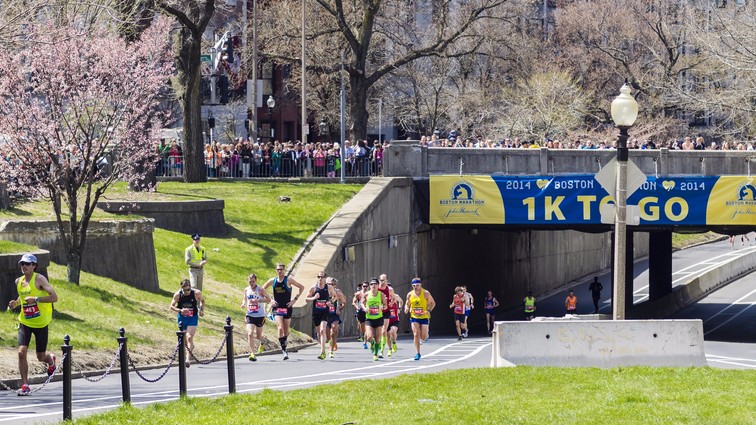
{"type": "Point", "coordinates": [462, 200]}
{"type": "Point", "coordinates": [746, 196]}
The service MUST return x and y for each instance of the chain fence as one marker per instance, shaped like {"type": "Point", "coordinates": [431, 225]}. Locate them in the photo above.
{"type": "Point", "coordinates": [215, 357]}
{"type": "Point", "coordinates": [107, 371]}
{"type": "Point", "coordinates": [165, 372]}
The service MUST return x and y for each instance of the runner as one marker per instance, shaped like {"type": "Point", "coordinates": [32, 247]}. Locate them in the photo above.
{"type": "Point", "coordinates": [359, 312]}
{"type": "Point", "coordinates": [419, 305]}
{"type": "Point", "coordinates": [320, 294]}
{"type": "Point", "coordinates": [469, 305]}
{"type": "Point", "coordinates": [374, 302]}
{"type": "Point", "coordinates": [385, 287]}
{"type": "Point", "coordinates": [490, 307]}
{"type": "Point", "coordinates": [282, 303]}
{"type": "Point", "coordinates": [254, 302]}
{"type": "Point", "coordinates": [188, 303]}
{"type": "Point", "coordinates": [459, 302]}
{"type": "Point", "coordinates": [335, 305]}
{"type": "Point", "coordinates": [395, 305]}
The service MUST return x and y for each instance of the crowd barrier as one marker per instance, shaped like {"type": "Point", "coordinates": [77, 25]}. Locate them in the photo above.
{"type": "Point", "coordinates": [285, 167]}
{"type": "Point", "coordinates": [126, 364]}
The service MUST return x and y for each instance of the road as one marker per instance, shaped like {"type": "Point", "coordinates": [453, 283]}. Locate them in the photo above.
{"type": "Point", "coordinates": [728, 317]}
{"type": "Point", "coordinates": [303, 369]}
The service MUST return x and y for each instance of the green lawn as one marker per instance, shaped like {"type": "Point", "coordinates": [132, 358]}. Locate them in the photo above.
{"type": "Point", "coordinates": [261, 232]}
{"type": "Point", "coordinates": [521, 395]}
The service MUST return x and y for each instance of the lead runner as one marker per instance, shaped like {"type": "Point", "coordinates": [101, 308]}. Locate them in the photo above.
{"type": "Point", "coordinates": [419, 305]}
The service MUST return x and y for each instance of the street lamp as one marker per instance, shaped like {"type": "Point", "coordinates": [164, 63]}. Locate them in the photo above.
{"type": "Point", "coordinates": [271, 104]}
{"type": "Point", "coordinates": [624, 113]}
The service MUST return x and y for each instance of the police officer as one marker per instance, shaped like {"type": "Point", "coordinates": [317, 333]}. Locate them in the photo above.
{"type": "Point", "coordinates": [195, 257]}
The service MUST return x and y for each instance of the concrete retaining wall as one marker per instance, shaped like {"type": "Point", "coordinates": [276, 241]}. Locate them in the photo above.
{"type": "Point", "coordinates": [696, 288]}
{"type": "Point", "coordinates": [382, 226]}
{"type": "Point", "coordinates": [599, 343]}
{"type": "Point", "coordinates": [204, 217]}
{"type": "Point", "coordinates": [121, 250]}
{"type": "Point", "coordinates": [10, 271]}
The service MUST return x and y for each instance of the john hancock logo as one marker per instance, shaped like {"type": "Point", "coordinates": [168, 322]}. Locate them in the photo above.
{"type": "Point", "coordinates": [462, 200]}
{"type": "Point", "coordinates": [746, 201]}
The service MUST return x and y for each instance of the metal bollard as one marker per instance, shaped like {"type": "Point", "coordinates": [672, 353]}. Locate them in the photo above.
{"type": "Point", "coordinates": [230, 355]}
{"type": "Point", "coordinates": [182, 360]}
{"type": "Point", "coordinates": [67, 404]}
{"type": "Point", "coordinates": [124, 358]}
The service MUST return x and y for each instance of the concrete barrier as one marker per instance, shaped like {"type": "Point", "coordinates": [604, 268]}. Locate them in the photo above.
{"type": "Point", "coordinates": [9, 272]}
{"type": "Point", "coordinates": [195, 216]}
{"type": "Point", "coordinates": [599, 343]}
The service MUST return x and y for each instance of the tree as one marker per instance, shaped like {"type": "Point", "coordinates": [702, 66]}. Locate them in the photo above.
{"type": "Point", "coordinates": [193, 17]}
{"type": "Point", "coordinates": [78, 111]}
{"type": "Point", "coordinates": [378, 36]}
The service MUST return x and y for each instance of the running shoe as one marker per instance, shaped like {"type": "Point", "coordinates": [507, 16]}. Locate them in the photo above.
{"type": "Point", "coordinates": [375, 358]}
{"type": "Point", "coordinates": [380, 355]}
{"type": "Point", "coordinates": [286, 355]}
{"type": "Point", "coordinates": [187, 364]}
{"type": "Point", "coordinates": [464, 334]}
{"type": "Point", "coordinates": [260, 349]}
{"type": "Point", "coordinates": [360, 339]}
{"type": "Point", "coordinates": [389, 353]}
{"type": "Point", "coordinates": [24, 390]}
{"type": "Point", "coordinates": [51, 368]}
{"type": "Point", "coordinates": [252, 357]}
{"type": "Point", "coordinates": [459, 338]}
{"type": "Point", "coordinates": [417, 356]}
{"type": "Point", "coordinates": [364, 345]}
{"type": "Point", "coordinates": [322, 355]}
{"type": "Point", "coordinates": [393, 346]}
{"type": "Point", "coordinates": [422, 341]}
{"type": "Point", "coordinates": [330, 354]}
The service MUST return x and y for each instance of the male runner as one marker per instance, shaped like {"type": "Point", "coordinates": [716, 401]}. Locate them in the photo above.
{"type": "Point", "coordinates": [395, 305]}
{"type": "Point", "coordinates": [359, 312]}
{"type": "Point", "coordinates": [253, 301]}
{"type": "Point", "coordinates": [459, 302]}
{"type": "Point", "coordinates": [282, 303]}
{"type": "Point", "coordinates": [320, 294]}
{"type": "Point", "coordinates": [188, 303]}
{"type": "Point", "coordinates": [335, 305]}
{"type": "Point", "coordinates": [374, 302]}
{"type": "Point", "coordinates": [419, 305]}
{"type": "Point", "coordinates": [385, 287]}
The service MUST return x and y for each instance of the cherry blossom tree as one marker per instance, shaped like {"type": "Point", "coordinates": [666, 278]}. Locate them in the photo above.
{"type": "Point", "coordinates": [78, 112]}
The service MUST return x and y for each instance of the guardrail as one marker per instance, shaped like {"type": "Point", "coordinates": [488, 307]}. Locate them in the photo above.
{"type": "Point", "coordinates": [270, 167]}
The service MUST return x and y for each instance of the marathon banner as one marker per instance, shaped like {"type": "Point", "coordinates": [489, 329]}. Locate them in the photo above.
{"type": "Point", "coordinates": [577, 199]}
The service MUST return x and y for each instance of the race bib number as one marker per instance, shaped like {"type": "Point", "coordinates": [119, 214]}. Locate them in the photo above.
{"type": "Point", "coordinates": [459, 310]}
{"type": "Point", "coordinates": [282, 311]}
{"type": "Point", "coordinates": [321, 304]}
{"type": "Point", "coordinates": [393, 315]}
{"type": "Point", "coordinates": [31, 311]}
{"type": "Point", "coordinates": [253, 307]}
{"type": "Point", "coordinates": [332, 308]}
{"type": "Point", "coordinates": [418, 311]}
{"type": "Point", "coordinates": [374, 310]}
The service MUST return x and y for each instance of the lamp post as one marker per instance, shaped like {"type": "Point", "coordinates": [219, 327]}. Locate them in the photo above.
{"type": "Point", "coordinates": [380, 117]}
{"type": "Point", "coordinates": [271, 104]}
{"type": "Point", "coordinates": [624, 113]}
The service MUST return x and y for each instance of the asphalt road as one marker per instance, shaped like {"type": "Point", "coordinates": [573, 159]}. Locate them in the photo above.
{"type": "Point", "coordinates": [727, 314]}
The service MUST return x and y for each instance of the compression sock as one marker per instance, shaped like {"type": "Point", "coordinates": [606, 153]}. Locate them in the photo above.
{"type": "Point", "coordinates": [282, 340]}
{"type": "Point", "coordinates": [383, 342]}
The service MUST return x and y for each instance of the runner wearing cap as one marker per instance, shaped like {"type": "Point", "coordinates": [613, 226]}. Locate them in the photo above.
{"type": "Point", "coordinates": [282, 303]}
{"type": "Point", "coordinates": [419, 305]}
{"type": "Point", "coordinates": [374, 302]}
{"type": "Point", "coordinates": [195, 256]}
{"type": "Point", "coordinates": [359, 312]}
{"type": "Point", "coordinates": [385, 287]}
{"type": "Point", "coordinates": [335, 305]}
{"type": "Point", "coordinates": [321, 294]}
{"type": "Point", "coordinates": [35, 296]}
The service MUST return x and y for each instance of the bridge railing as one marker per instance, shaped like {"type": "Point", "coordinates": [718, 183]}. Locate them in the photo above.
{"type": "Point", "coordinates": [410, 159]}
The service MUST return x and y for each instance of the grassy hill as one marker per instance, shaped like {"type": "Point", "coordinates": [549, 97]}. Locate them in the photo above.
{"type": "Point", "coordinates": [261, 232]}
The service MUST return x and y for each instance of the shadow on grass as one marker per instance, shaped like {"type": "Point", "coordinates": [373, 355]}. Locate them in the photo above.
{"type": "Point", "coordinates": [264, 241]}
{"type": "Point", "coordinates": [59, 315]}
{"type": "Point", "coordinates": [17, 212]}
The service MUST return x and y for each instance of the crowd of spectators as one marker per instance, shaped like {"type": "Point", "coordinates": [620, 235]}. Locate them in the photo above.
{"type": "Point", "coordinates": [244, 158]}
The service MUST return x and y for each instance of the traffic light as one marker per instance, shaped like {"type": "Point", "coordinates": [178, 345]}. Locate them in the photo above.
{"type": "Point", "coordinates": [223, 89]}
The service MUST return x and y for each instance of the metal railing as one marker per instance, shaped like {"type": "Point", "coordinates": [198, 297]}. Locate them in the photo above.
{"type": "Point", "coordinates": [275, 167]}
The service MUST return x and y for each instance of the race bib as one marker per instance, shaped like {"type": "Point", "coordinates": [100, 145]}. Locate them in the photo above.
{"type": "Point", "coordinates": [418, 311]}
{"type": "Point", "coordinates": [189, 313]}
{"type": "Point", "coordinates": [31, 311]}
{"type": "Point", "coordinates": [332, 308]}
{"type": "Point", "coordinates": [321, 304]}
{"type": "Point", "coordinates": [458, 310]}
{"type": "Point", "coordinates": [374, 310]}
{"type": "Point", "coordinates": [393, 315]}
{"type": "Point", "coordinates": [282, 311]}
{"type": "Point", "coordinates": [253, 307]}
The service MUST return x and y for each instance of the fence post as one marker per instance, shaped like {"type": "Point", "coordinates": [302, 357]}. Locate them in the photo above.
{"type": "Point", "coordinates": [66, 348]}
{"type": "Point", "coordinates": [182, 359]}
{"type": "Point", "coordinates": [124, 358]}
{"type": "Point", "coordinates": [230, 355]}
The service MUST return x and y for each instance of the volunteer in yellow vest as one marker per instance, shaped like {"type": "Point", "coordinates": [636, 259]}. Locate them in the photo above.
{"type": "Point", "coordinates": [195, 257]}
{"type": "Point", "coordinates": [35, 296]}
{"type": "Point", "coordinates": [529, 303]}
{"type": "Point", "coordinates": [419, 305]}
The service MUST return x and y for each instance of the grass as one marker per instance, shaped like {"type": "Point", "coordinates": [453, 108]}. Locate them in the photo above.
{"type": "Point", "coordinates": [521, 395]}
{"type": "Point", "coordinates": [261, 232]}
